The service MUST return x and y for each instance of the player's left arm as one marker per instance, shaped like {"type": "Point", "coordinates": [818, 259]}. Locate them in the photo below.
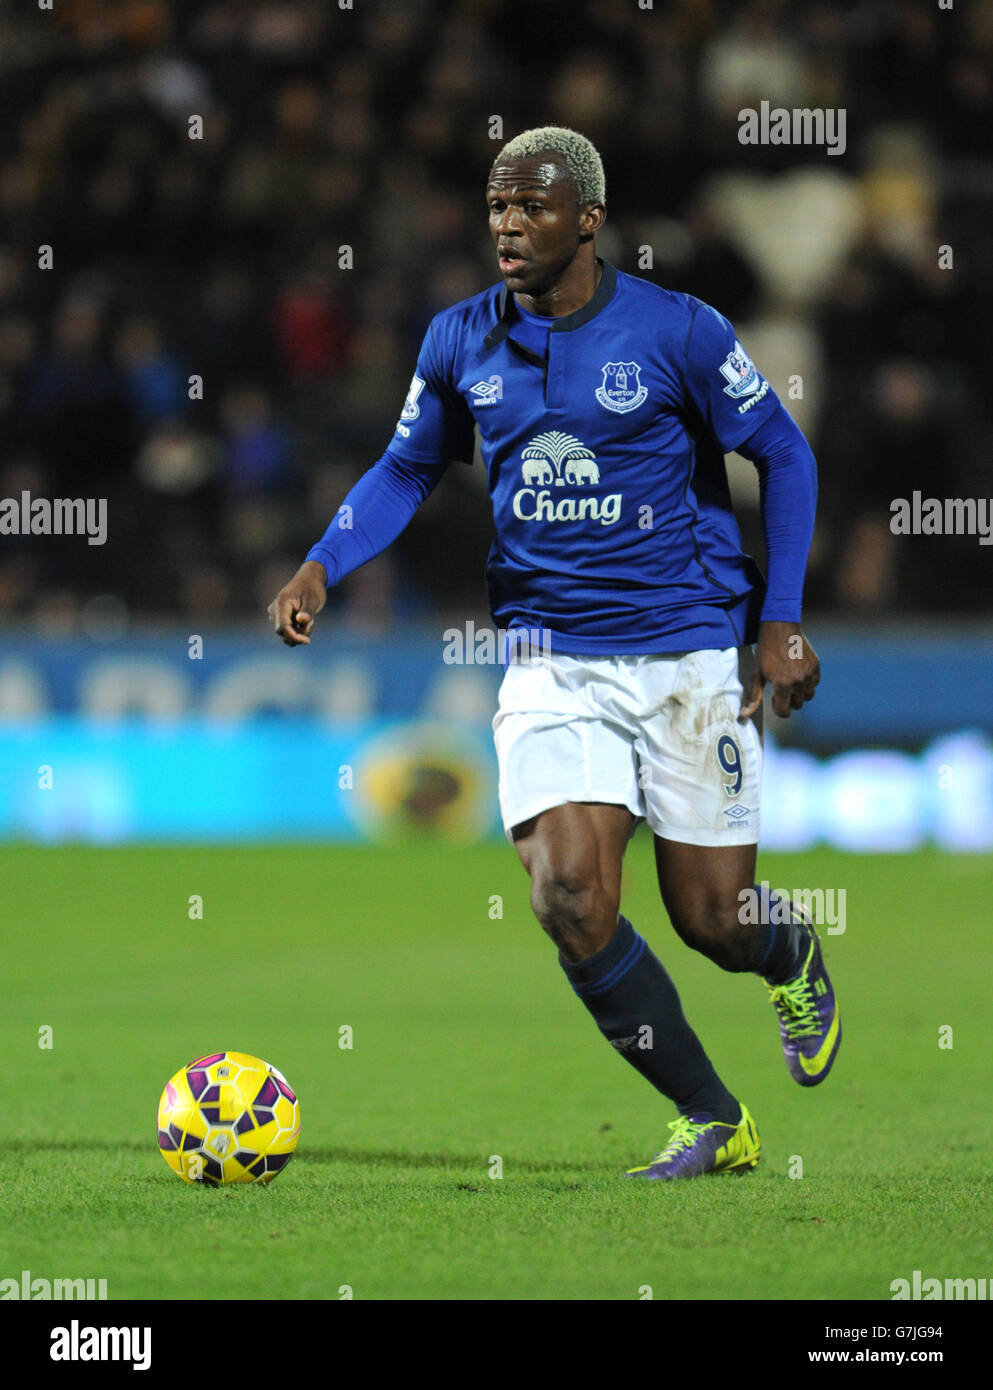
{"type": "Point", "coordinates": [788, 492]}
{"type": "Point", "coordinates": [742, 413]}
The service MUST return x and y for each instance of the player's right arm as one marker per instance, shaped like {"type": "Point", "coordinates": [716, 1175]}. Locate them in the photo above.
{"type": "Point", "coordinates": [293, 610]}
{"type": "Point", "coordinates": [434, 429]}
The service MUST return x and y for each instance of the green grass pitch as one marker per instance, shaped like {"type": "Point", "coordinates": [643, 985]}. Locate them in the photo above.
{"type": "Point", "coordinates": [468, 1044]}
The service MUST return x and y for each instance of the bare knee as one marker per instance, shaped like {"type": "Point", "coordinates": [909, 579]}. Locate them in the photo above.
{"type": "Point", "coordinates": [575, 908]}
{"type": "Point", "coordinates": [573, 856]}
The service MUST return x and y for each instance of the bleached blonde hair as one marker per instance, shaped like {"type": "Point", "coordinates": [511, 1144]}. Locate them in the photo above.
{"type": "Point", "coordinates": [579, 155]}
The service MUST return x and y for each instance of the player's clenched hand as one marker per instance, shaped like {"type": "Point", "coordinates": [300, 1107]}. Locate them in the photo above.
{"type": "Point", "coordinates": [293, 610]}
{"type": "Point", "coordinates": [785, 659]}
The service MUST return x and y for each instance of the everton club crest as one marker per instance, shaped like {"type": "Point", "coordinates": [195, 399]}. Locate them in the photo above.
{"type": "Point", "coordinates": [622, 389]}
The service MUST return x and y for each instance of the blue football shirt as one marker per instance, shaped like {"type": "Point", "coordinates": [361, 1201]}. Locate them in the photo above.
{"type": "Point", "coordinates": [604, 441]}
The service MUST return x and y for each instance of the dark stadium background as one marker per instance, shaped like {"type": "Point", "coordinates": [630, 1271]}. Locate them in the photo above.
{"type": "Point", "coordinates": [370, 128]}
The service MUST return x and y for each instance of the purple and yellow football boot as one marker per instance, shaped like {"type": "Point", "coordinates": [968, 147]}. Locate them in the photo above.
{"type": "Point", "coordinates": [704, 1146]}
{"type": "Point", "coordinates": [809, 1021]}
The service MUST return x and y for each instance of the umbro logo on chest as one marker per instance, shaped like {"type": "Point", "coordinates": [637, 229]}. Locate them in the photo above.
{"type": "Point", "coordinates": [487, 392]}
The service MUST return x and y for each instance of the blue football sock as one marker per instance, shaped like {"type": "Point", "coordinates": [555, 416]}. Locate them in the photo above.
{"type": "Point", "coordinates": [782, 945]}
{"type": "Point", "coordinates": [635, 1005]}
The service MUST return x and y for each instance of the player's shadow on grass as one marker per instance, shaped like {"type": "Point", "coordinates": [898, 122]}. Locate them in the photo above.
{"type": "Point", "coordinates": [472, 1162]}
{"type": "Point", "coordinates": [28, 1146]}
{"type": "Point", "coordinates": [393, 1157]}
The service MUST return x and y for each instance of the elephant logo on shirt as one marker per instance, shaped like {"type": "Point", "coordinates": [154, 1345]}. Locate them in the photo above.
{"type": "Point", "coordinates": [581, 470]}
{"type": "Point", "coordinates": [551, 460]}
{"type": "Point", "coordinates": [537, 470]}
{"type": "Point", "coordinates": [559, 458]}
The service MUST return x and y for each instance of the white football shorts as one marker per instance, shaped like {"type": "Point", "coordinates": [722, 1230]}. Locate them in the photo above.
{"type": "Point", "coordinates": [658, 734]}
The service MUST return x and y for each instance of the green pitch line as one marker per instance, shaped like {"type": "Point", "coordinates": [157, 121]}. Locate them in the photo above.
{"type": "Point", "coordinates": [468, 1048]}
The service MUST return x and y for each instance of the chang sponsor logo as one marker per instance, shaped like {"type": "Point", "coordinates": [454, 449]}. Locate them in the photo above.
{"type": "Point", "coordinates": [541, 506]}
{"type": "Point", "coordinates": [553, 460]}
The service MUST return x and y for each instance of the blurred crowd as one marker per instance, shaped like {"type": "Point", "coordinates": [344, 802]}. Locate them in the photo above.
{"type": "Point", "coordinates": [291, 255]}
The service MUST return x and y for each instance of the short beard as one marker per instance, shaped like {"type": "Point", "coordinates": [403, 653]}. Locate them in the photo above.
{"type": "Point", "coordinates": [551, 277]}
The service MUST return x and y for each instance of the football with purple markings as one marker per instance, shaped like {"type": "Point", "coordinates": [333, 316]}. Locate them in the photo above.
{"type": "Point", "coordinates": [226, 1118]}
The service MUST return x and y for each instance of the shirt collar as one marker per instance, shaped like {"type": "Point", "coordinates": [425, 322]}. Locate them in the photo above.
{"type": "Point", "coordinates": [601, 298]}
